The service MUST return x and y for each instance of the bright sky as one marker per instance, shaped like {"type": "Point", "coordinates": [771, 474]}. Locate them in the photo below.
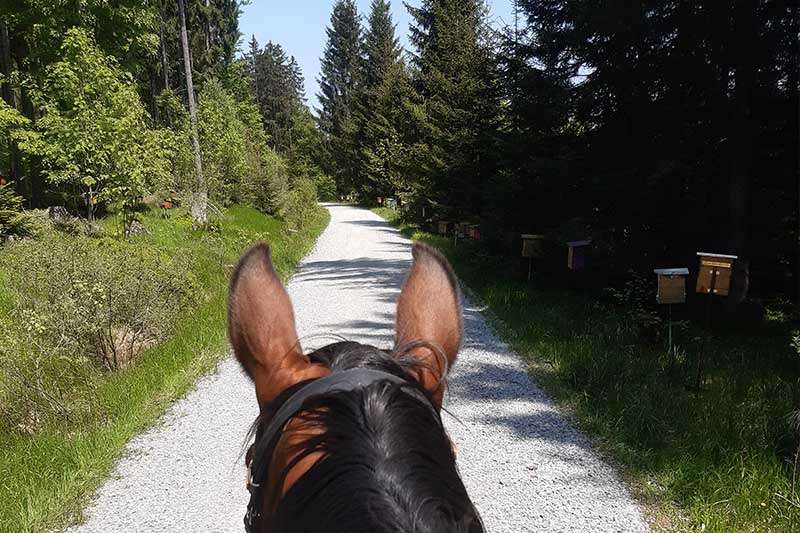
{"type": "Point", "coordinates": [299, 26]}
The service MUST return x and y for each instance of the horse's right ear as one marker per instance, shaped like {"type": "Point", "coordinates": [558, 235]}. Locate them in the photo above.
{"type": "Point", "coordinates": [261, 328]}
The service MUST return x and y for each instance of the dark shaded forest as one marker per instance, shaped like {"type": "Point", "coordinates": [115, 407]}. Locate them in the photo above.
{"type": "Point", "coordinates": [658, 129]}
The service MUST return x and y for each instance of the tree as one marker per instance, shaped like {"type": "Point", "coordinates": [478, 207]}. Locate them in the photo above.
{"type": "Point", "coordinates": [382, 105]}
{"type": "Point", "coordinates": [93, 134]}
{"type": "Point", "coordinates": [200, 195]}
{"type": "Point", "coordinates": [340, 82]}
{"type": "Point", "coordinates": [456, 78]}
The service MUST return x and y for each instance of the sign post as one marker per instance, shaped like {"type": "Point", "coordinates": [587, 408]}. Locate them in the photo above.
{"type": "Point", "coordinates": [671, 290]}
{"type": "Point", "coordinates": [713, 278]}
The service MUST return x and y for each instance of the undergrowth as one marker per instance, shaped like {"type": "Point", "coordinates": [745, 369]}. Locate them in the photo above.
{"type": "Point", "coordinates": [718, 460]}
{"type": "Point", "coordinates": [48, 468]}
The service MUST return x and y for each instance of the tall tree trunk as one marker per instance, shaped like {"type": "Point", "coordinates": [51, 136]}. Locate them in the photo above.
{"type": "Point", "coordinates": [164, 59]}
{"type": "Point", "coordinates": [793, 69]}
{"type": "Point", "coordinates": [742, 140]}
{"type": "Point", "coordinates": [742, 127]}
{"type": "Point", "coordinates": [200, 196]}
{"type": "Point", "coordinates": [10, 97]}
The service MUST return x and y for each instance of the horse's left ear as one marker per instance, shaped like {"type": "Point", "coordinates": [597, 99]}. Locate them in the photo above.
{"type": "Point", "coordinates": [261, 328]}
{"type": "Point", "coordinates": [429, 312]}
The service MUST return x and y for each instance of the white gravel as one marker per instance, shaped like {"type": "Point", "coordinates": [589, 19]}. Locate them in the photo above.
{"type": "Point", "coordinates": [525, 467]}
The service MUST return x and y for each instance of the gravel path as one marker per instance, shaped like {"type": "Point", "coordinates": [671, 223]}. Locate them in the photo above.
{"type": "Point", "coordinates": [526, 468]}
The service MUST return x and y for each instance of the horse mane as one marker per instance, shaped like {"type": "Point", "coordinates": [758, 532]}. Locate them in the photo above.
{"type": "Point", "coordinates": [387, 464]}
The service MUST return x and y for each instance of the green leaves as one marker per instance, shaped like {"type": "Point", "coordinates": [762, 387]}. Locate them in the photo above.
{"type": "Point", "coordinates": [94, 133]}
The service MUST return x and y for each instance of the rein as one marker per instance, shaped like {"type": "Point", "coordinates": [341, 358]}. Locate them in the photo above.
{"type": "Point", "coordinates": [342, 381]}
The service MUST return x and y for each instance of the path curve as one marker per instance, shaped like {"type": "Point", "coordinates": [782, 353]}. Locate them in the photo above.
{"type": "Point", "coordinates": [525, 467]}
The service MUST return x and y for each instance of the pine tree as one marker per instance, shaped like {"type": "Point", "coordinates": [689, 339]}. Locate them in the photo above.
{"type": "Point", "coordinates": [381, 47]}
{"type": "Point", "coordinates": [381, 111]}
{"type": "Point", "coordinates": [456, 77]}
{"type": "Point", "coordinates": [339, 84]}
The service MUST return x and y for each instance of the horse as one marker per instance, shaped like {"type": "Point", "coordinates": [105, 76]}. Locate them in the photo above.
{"type": "Point", "coordinates": [349, 437]}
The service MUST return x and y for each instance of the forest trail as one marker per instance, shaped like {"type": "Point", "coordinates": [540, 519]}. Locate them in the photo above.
{"type": "Point", "coordinates": [525, 466]}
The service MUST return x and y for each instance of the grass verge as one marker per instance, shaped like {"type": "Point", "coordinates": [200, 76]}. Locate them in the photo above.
{"type": "Point", "coordinates": [47, 476]}
{"type": "Point", "coordinates": [709, 461]}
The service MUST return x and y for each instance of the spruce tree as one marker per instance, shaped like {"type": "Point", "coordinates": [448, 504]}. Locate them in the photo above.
{"type": "Point", "coordinates": [456, 77]}
{"type": "Point", "coordinates": [381, 111]}
{"type": "Point", "coordinates": [339, 85]}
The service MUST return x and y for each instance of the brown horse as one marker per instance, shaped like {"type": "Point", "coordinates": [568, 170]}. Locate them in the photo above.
{"type": "Point", "coordinates": [350, 437]}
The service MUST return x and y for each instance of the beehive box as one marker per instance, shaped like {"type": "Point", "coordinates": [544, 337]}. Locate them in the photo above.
{"type": "Point", "coordinates": [532, 245]}
{"type": "Point", "coordinates": [671, 285]}
{"type": "Point", "coordinates": [576, 254]}
{"type": "Point", "coordinates": [714, 276]}
{"type": "Point", "coordinates": [475, 232]}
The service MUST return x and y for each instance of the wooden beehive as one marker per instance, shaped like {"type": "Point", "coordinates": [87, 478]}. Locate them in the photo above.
{"type": "Point", "coordinates": [532, 245]}
{"type": "Point", "coordinates": [714, 276]}
{"type": "Point", "coordinates": [576, 254]}
{"type": "Point", "coordinates": [671, 285]}
{"type": "Point", "coordinates": [475, 232]}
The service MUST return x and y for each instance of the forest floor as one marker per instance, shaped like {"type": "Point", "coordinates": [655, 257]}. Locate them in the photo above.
{"type": "Point", "coordinates": [46, 475]}
{"type": "Point", "coordinates": [708, 461]}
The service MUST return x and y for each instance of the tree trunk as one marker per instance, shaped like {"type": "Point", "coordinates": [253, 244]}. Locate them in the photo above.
{"type": "Point", "coordinates": [793, 89]}
{"type": "Point", "coordinates": [200, 196]}
{"type": "Point", "coordinates": [164, 59]}
{"type": "Point", "coordinates": [742, 148]}
{"type": "Point", "coordinates": [10, 97]}
{"type": "Point", "coordinates": [742, 127]}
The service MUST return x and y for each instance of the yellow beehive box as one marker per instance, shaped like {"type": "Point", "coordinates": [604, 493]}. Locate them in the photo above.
{"type": "Point", "coordinates": [714, 276]}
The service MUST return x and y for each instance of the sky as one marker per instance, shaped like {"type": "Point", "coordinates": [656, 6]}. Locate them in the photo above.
{"type": "Point", "coordinates": [299, 27]}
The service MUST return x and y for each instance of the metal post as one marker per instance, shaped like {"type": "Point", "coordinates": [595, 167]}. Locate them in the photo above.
{"type": "Point", "coordinates": [700, 359]}
{"type": "Point", "coordinates": [669, 326]}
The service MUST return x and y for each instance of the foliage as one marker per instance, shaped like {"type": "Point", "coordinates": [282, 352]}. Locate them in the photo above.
{"type": "Point", "coordinates": [107, 409]}
{"type": "Point", "coordinates": [301, 205]}
{"type": "Point", "coordinates": [103, 300]}
{"type": "Point", "coordinates": [340, 83]}
{"type": "Point", "coordinates": [239, 165]}
{"type": "Point", "coordinates": [94, 132]}
{"type": "Point", "coordinates": [13, 220]}
{"type": "Point", "coordinates": [704, 461]}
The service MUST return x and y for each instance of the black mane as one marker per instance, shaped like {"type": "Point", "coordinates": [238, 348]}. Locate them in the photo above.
{"type": "Point", "coordinates": [387, 466]}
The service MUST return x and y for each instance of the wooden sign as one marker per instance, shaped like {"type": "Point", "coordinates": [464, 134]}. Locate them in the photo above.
{"type": "Point", "coordinates": [714, 276]}
{"type": "Point", "coordinates": [532, 245]}
{"type": "Point", "coordinates": [576, 254]}
{"type": "Point", "coordinates": [671, 285]}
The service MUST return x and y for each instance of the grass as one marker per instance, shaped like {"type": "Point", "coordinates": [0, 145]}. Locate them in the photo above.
{"type": "Point", "coordinates": [709, 461]}
{"type": "Point", "coordinates": [47, 476]}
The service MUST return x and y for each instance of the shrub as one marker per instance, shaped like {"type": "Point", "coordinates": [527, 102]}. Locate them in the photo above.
{"type": "Point", "coordinates": [81, 305]}
{"type": "Point", "coordinates": [302, 203]}
{"type": "Point", "coordinates": [326, 188]}
{"type": "Point", "coordinates": [13, 220]}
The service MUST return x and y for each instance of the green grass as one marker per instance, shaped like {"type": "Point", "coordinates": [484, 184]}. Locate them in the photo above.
{"type": "Point", "coordinates": [46, 477]}
{"type": "Point", "coordinates": [697, 461]}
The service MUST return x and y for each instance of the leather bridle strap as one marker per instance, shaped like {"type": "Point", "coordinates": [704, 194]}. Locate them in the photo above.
{"type": "Point", "coordinates": [344, 381]}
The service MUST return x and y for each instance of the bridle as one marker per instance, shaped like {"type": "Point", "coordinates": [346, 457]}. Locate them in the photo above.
{"type": "Point", "coordinates": [341, 381]}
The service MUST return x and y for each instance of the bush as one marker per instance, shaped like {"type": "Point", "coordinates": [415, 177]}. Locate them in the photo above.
{"type": "Point", "coordinates": [326, 188]}
{"type": "Point", "coordinates": [13, 220]}
{"type": "Point", "coordinates": [302, 203]}
{"type": "Point", "coordinates": [81, 305]}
